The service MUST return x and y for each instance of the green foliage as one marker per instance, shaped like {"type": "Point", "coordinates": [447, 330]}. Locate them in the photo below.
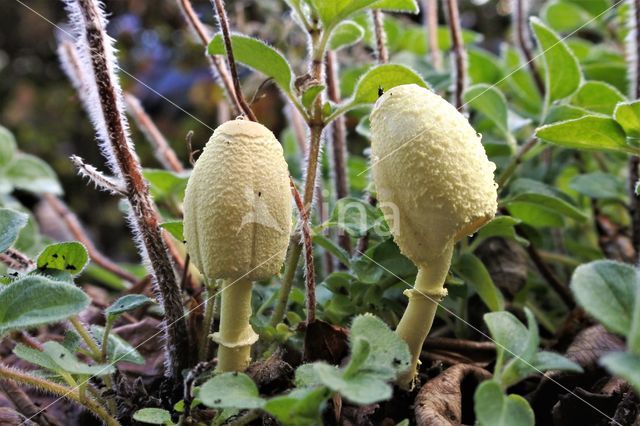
{"type": "Point", "coordinates": [126, 303]}
{"type": "Point", "coordinates": [60, 360]}
{"type": "Point", "coordinates": [597, 96]}
{"type": "Point", "coordinates": [589, 132]}
{"type": "Point", "coordinates": [36, 300]}
{"type": "Point", "coordinates": [70, 257]}
{"type": "Point", "coordinates": [491, 102]}
{"type": "Point", "coordinates": [118, 349]}
{"type": "Point", "coordinates": [625, 365]}
{"type": "Point", "coordinates": [627, 115]}
{"type": "Point", "coordinates": [345, 34]}
{"type": "Point", "coordinates": [473, 271]}
{"type": "Point", "coordinates": [175, 228]}
{"type": "Point", "coordinates": [11, 222]}
{"type": "Point", "coordinates": [493, 408]}
{"type": "Point", "coordinates": [153, 416]}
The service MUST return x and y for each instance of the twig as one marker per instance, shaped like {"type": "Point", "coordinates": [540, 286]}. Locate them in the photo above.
{"type": "Point", "coordinates": [430, 21]}
{"type": "Point", "coordinates": [88, 340]}
{"type": "Point", "coordinates": [338, 142]}
{"type": "Point", "coordinates": [8, 373]}
{"type": "Point", "coordinates": [520, 11]}
{"type": "Point", "coordinates": [96, 51]}
{"type": "Point", "coordinates": [218, 68]}
{"type": "Point", "coordinates": [99, 179]}
{"type": "Point", "coordinates": [78, 232]}
{"type": "Point", "coordinates": [23, 403]}
{"type": "Point", "coordinates": [161, 149]}
{"type": "Point", "coordinates": [633, 50]}
{"type": "Point", "coordinates": [17, 260]}
{"type": "Point", "coordinates": [515, 161]}
{"type": "Point", "coordinates": [382, 54]}
{"type": "Point", "coordinates": [228, 48]}
{"type": "Point", "coordinates": [550, 277]}
{"type": "Point", "coordinates": [453, 19]}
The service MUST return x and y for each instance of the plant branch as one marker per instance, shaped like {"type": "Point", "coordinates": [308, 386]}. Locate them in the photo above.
{"type": "Point", "coordinates": [382, 53]}
{"type": "Point", "coordinates": [86, 337]}
{"type": "Point", "coordinates": [78, 232]}
{"type": "Point", "coordinates": [8, 373]}
{"type": "Point", "coordinates": [453, 19]}
{"type": "Point", "coordinates": [99, 179]}
{"type": "Point", "coordinates": [161, 149]}
{"type": "Point", "coordinates": [23, 403]}
{"type": "Point", "coordinates": [515, 161]}
{"type": "Point", "coordinates": [17, 260]}
{"type": "Point", "coordinates": [633, 50]}
{"type": "Point", "coordinates": [546, 272]}
{"type": "Point", "coordinates": [430, 21]}
{"type": "Point", "coordinates": [218, 69]}
{"type": "Point", "coordinates": [520, 12]}
{"type": "Point", "coordinates": [224, 27]}
{"type": "Point", "coordinates": [99, 56]}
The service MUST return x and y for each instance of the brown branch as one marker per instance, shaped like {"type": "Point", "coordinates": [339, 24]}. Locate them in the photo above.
{"type": "Point", "coordinates": [17, 260]}
{"type": "Point", "coordinates": [634, 88]}
{"type": "Point", "coordinates": [161, 149]}
{"type": "Point", "coordinates": [546, 272]}
{"type": "Point", "coordinates": [224, 27]}
{"type": "Point", "coordinates": [23, 403]}
{"type": "Point", "coordinates": [382, 54]}
{"type": "Point", "coordinates": [308, 255]}
{"type": "Point", "coordinates": [143, 212]}
{"type": "Point", "coordinates": [430, 21]}
{"type": "Point", "coordinates": [218, 69]}
{"type": "Point", "coordinates": [338, 142]}
{"type": "Point", "coordinates": [78, 232]}
{"type": "Point", "coordinates": [520, 22]}
{"type": "Point", "coordinates": [453, 19]}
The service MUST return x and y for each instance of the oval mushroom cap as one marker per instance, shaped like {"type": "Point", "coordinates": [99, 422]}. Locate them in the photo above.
{"type": "Point", "coordinates": [237, 206]}
{"type": "Point", "coordinates": [433, 178]}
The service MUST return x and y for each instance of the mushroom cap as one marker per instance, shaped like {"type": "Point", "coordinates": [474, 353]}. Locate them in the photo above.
{"type": "Point", "coordinates": [237, 206]}
{"type": "Point", "coordinates": [433, 178]}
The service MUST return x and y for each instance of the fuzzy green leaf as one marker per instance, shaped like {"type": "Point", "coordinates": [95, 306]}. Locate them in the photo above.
{"type": "Point", "coordinates": [300, 407]}
{"type": "Point", "coordinates": [153, 416]}
{"type": "Point", "coordinates": [35, 300]}
{"type": "Point", "coordinates": [70, 257]}
{"type": "Point", "coordinates": [311, 94]}
{"type": "Point", "coordinates": [564, 16]}
{"type": "Point", "coordinates": [127, 303]}
{"type": "Point", "coordinates": [473, 271]}
{"type": "Point", "coordinates": [30, 173]}
{"type": "Point", "coordinates": [175, 228]}
{"type": "Point", "coordinates": [562, 71]}
{"type": "Point", "coordinates": [118, 349]}
{"type": "Point", "coordinates": [491, 102]}
{"type": "Point", "coordinates": [493, 408]}
{"type": "Point", "coordinates": [625, 365]}
{"type": "Point", "coordinates": [11, 222]}
{"type": "Point", "coordinates": [330, 246]}
{"type": "Point", "coordinates": [502, 226]}
{"type": "Point", "coordinates": [7, 146]}
{"type": "Point", "coordinates": [627, 115]}
{"type": "Point", "coordinates": [345, 34]}
{"type": "Point", "coordinates": [508, 332]}
{"type": "Point", "coordinates": [606, 290]}
{"type": "Point", "coordinates": [600, 186]}
{"type": "Point", "coordinates": [230, 390]}
{"type": "Point", "coordinates": [590, 132]}
{"type": "Point", "coordinates": [383, 77]}
{"type": "Point", "coordinates": [258, 55]}
{"type": "Point", "coordinates": [597, 96]}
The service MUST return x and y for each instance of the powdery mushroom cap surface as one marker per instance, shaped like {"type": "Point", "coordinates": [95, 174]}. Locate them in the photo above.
{"type": "Point", "coordinates": [432, 175]}
{"type": "Point", "coordinates": [237, 207]}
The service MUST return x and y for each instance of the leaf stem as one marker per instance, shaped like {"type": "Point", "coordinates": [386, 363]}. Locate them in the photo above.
{"type": "Point", "coordinates": [88, 340]}
{"type": "Point", "coordinates": [8, 373]}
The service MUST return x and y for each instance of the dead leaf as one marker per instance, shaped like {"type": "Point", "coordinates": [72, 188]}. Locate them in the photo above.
{"type": "Point", "coordinates": [325, 342]}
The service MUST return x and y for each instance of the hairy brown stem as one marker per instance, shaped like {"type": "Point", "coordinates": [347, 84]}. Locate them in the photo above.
{"type": "Point", "coordinates": [218, 68]}
{"type": "Point", "coordinates": [381, 37]}
{"type": "Point", "coordinates": [453, 19]}
{"type": "Point", "coordinates": [520, 23]}
{"type": "Point", "coordinates": [634, 88]}
{"type": "Point", "coordinates": [161, 149]}
{"type": "Point", "coordinates": [23, 403]}
{"type": "Point", "coordinates": [78, 232]}
{"type": "Point", "coordinates": [308, 254]}
{"type": "Point", "coordinates": [430, 21]}
{"type": "Point", "coordinates": [224, 27]}
{"type": "Point", "coordinates": [17, 260]}
{"type": "Point", "coordinates": [143, 213]}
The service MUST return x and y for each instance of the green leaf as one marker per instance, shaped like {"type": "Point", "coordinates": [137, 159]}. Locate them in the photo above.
{"type": "Point", "coordinates": [353, 215]}
{"type": "Point", "coordinates": [625, 365]}
{"type": "Point", "coordinates": [548, 361]}
{"type": "Point", "coordinates": [330, 246]}
{"type": "Point", "coordinates": [562, 71]}
{"type": "Point", "coordinates": [68, 362]}
{"type": "Point", "coordinates": [35, 300]}
{"type": "Point", "coordinates": [126, 303]}
{"type": "Point", "coordinates": [11, 222]}
{"type": "Point", "coordinates": [597, 96]}
{"type": "Point", "coordinates": [153, 416]}
{"type": "Point", "coordinates": [483, 66]}
{"type": "Point", "coordinates": [31, 174]}
{"type": "Point", "coordinates": [345, 34]}
{"type": "Point", "coordinates": [311, 94]}
{"type": "Point", "coordinates": [410, 6]}
{"type": "Point", "coordinates": [473, 271]}
{"type": "Point", "coordinates": [331, 12]}
{"type": "Point", "coordinates": [590, 132]}
{"type": "Point", "coordinates": [508, 332]}
{"type": "Point", "coordinates": [7, 146]}
{"type": "Point", "coordinates": [493, 408]}
{"type": "Point", "coordinates": [627, 115]}
{"type": "Point", "coordinates": [502, 226]}
{"type": "Point", "coordinates": [258, 55]}
{"type": "Point", "coordinates": [563, 113]}
{"type": "Point", "coordinates": [599, 185]}
{"type": "Point", "coordinates": [118, 349]}
{"type": "Point", "coordinates": [360, 389]}
{"type": "Point", "coordinates": [175, 228]}
{"type": "Point", "coordinates": [491, 102]}
{"type": "Point", "coordinates": [301, 407]}
{"type": "Point", "coordinates": [563, 16]}
{"type": "Point", "coordinates": [386, 77]}
{"type": "Point", "coordinates": [70, 257]}
{"type": "Point", "coordinates": [165, 184]}
{"type": "Point", "coordinates": [606, 290]}
{"type": "Point", "coordinates": [529, 191]}
{"type": "Point", "coordinates": [521, 84]}
{"type": "Point", "coordinates": [230, 390]}
{"type": "Point", "coordinates": [35, 357]}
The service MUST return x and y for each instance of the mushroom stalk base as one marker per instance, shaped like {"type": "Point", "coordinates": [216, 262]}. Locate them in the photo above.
{"type": "Point", "coordinates": [418, 317]}
{"type": "Point", "coordinates": [236, 335]}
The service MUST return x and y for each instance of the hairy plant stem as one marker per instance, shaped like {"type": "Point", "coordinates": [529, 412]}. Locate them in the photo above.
{"type": "Point", "coordinates": [218, 68]}
{"type": "Point", "coordinates": [23, 403]}
{"type": "Point", "coordinates": [520, 13]}
{"type": "Point", "coordinates": [453, 19]}
{"type": "Point", "coordinates": [143, 212]}
{"type": "Point", "coordinates": [226, 35]}
{"type": "Point", "coordinates": [430, 21]}
{"type": "Point", "coordinates": [382, 54]}
{"type": "Point", "coordinates": [633, 50]}
{"type": "Point", "coordinates": [8, 373]}
{"type": "Point", "coordinates": [86, 337]}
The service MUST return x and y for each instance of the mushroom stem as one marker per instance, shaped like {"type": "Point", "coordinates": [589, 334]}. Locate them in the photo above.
{"type": "Point", "coordinates": [236, 335]}
{"type": "Point", "coordinates": [423, 301]}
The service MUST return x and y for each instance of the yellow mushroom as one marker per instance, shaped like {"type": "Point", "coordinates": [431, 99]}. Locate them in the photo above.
{"type": "Point", "coordinates": [435, 186]}
{"type": "Point", "coordinates": [237, 221]}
